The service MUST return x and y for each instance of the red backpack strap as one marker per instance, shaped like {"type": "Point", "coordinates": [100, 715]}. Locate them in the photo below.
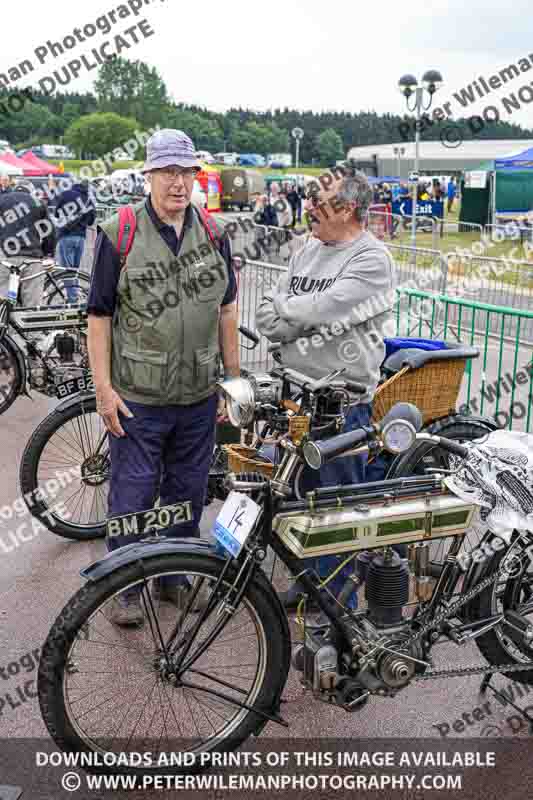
{"type": "Point", "coordinates": [127, 223]}
{"type": "Point", "coordinates": [210, 226]}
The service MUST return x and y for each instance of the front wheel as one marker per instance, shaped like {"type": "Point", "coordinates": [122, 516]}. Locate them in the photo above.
{"type": "Point", "coordinates": [104, 688]}
{"type": "Point", "coordinates": [65, 471]}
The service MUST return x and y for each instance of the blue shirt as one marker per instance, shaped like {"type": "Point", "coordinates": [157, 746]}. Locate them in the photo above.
{"type": "Point", "coordinates": [106, 270]}
{"type": "Point", "coordinates": [451, 190]}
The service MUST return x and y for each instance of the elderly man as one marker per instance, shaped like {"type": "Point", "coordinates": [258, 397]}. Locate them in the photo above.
{"type": "Point", "coordinates": [331, 310]}
{"type": "Point", "coordinates": [158, 325]}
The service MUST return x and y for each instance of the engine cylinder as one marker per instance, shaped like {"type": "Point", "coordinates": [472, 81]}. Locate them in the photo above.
{"type": "Point", "coordinates": [387, 589]}
{"type": "Point", "coordinates": [65, 346]}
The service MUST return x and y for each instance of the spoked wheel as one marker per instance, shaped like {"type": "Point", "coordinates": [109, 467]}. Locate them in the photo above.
{"type": "Point", "coordinates": [65, 470]}
{"type": "Point", "coordinates": [424, 455]}
{"type": "Point", "coordinates": [10, 376]}
{"type": "Point", "coordinates": [162, 687]}
{"type": "Point", "coordinates": [55, 290]}
{"type": "Point", "coordinates": [511, 593]}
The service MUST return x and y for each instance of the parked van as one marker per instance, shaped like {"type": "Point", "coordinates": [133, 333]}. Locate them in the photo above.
{"type": "Point", "coordinates": [228, 159]}
{"type": "Point", "coordinates": [238, 186]}
{"type": "Point", "coordinates": [53, 151]}
{"type": "Point", "coordinates": [279, 160]}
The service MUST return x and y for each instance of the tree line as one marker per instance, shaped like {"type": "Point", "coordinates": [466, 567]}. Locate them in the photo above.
{"type": "Point", "coordinates": [132, 95]}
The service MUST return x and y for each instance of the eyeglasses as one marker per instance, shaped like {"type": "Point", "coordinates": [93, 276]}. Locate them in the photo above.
{"type": "Point", "coordinates": [170, 174]}
{"type": "Point", "coordinates": [316, 200]}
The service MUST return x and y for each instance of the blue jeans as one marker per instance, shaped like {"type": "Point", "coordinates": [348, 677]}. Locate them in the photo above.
{"type": "Point", "coordinates": [166, 452]}
{"type": "Point", "coordinates": [341, 471]}
{"type": "Point", "coordinates": [68, 254]}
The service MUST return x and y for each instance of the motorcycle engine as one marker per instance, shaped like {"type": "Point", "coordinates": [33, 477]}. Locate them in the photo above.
{"type": "Point", "coordinates": [66, 356]}
{"type": "Point", "coordinates": [65, 345]}
{"type": "Point", "coordinates": [350, 677]}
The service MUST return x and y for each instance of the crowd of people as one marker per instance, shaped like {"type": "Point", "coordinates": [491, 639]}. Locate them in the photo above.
{"type": "Point", "coordinates": [281, 207]}
{"type": "Point", "coordinates": [33, 227]}
{"type": "Point", "coordinates": [385, 194]}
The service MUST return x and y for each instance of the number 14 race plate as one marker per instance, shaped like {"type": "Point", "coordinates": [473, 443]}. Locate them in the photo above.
{"type": "Point", "coordinates": [235, 521]}
{"type": "Point", "coordinates": [145, 521]}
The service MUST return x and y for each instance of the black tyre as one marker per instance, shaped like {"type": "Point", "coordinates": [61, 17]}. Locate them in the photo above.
{"type": "Point", "coordinates": [425, 455]}
{"type": "Point", "coordinates": [514, 592]}
{"type": "Point", "coordinates": [104, 688]}
{"type": "Point", "coordinates": [55, 292]}
{"type": "Point", "coordinates": [11, 379]}
{"type": "Point", "coordinates": [64, 472]}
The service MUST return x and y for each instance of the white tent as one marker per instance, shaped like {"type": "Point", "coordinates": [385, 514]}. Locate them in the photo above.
{"type": "Point", "coordinates": [7, 169]}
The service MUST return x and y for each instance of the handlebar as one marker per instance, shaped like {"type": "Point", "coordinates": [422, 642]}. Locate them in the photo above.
{"type": "Point", "coordinates": [306, 383]}
{"type": "Point", "coordinates": [248, 334]}
{"type": "Point", "coordinates": [447, 444]}
{"type": "Point", "coordinates": [319, 453]}
{"type": "Point", "coordinates": [27, 262]}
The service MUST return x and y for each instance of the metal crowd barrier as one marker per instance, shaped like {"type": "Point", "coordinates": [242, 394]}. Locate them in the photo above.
{"type": "Point", "coordinates": [385, 225]}
{"type": "Point", "coordinates": [512, 230]}
{"type": "Point", "coordinates": [498, 384]}
{"type": "Point", "coordinates": [459, 227]}
{"type": "Point", "coordinates": [496, 281]}
{"type": "Point", "coordinates": [104, 212]}
{"type": "Point", "coordinates": [256, 279]}
{"type": "Point", "coordinates": [425, 266]}
{"type": "Point", "coordinates": [267, 244]}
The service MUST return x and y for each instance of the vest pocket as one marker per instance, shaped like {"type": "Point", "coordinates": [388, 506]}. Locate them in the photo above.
{"type": "Point", "coordinates": [144, 370]}
{"type": "Point", "coordinates": [205, 367]}
{"type": "Point", "coordinates": [209, 282]}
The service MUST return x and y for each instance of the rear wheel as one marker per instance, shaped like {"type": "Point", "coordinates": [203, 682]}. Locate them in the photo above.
{"type": "Point", "coordinates": [424, 455]}
{"type": "Point", "coordinates": [65, 470]}
{"type": "Point", "coordinates": [104, 688]}
{"type": "Point", "coordinates": [510, 593]}
{"type": "Point", "coordinates": [11, 380]}
{"type": "Point", "coordinates": [55, 291]}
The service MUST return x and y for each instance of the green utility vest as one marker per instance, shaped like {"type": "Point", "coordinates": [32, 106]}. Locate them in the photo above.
{"type": "Point", "coordinates": [165, 338]}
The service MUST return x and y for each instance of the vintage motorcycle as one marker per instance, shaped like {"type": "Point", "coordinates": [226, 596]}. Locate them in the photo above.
{"type": "Point", "coordinates": [44, 347]}
{"type": "Point", "coordinates": [204, 677]}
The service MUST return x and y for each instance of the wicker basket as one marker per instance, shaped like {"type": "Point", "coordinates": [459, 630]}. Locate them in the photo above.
{"type": "Point", "coordinates": [241, 459]}
{"type": "Point", "coordinates": [433, 389]}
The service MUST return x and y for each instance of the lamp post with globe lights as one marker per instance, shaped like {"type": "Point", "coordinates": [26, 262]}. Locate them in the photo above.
{"type": "Point", "coordinates": [408, 86]}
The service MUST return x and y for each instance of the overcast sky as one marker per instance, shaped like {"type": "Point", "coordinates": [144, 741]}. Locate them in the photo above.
{"type": "Point", "coordinates": [336, 55]}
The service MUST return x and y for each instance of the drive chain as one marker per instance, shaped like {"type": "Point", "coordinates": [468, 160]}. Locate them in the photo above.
{"type": "Point", "coordinates": [473, 670]}
{"type": "Point", "coordinates": [449, 612]}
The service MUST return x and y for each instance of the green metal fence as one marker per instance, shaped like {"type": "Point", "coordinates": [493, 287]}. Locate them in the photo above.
{"type": "Point", "coordinates": [499, 384]}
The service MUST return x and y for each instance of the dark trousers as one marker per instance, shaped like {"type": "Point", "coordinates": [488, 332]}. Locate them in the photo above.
{"type": "Point", "coordinates": [341, 471]}
{"type": "Point", "coordinates": [166, 453]}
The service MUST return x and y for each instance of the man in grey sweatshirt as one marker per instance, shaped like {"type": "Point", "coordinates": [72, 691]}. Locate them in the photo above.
{"type": "Point", "coordinates": [332, 310]}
